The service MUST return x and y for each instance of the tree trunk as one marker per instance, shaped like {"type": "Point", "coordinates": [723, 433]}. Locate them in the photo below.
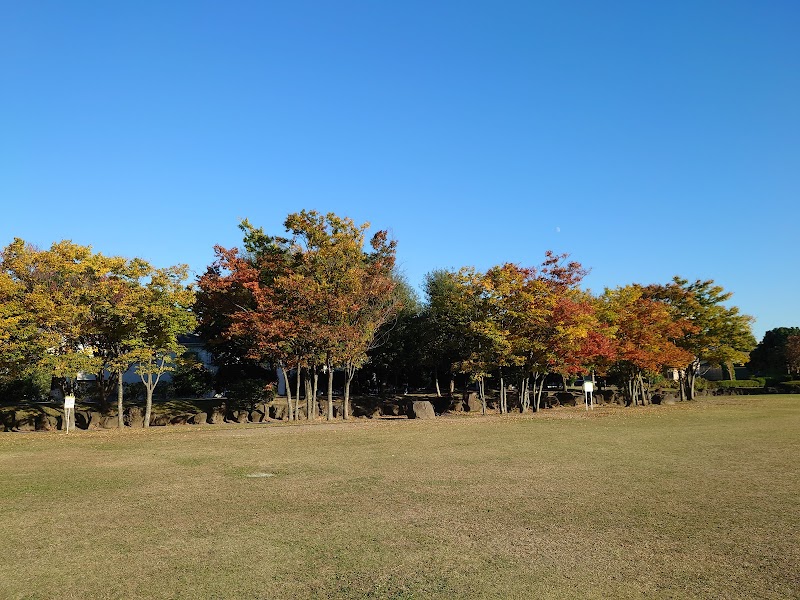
{"type": "Point", "coordinates": [452, 384]}
{"type": "Point", "coordinates": [330, 390]}
{"type": "Point", "coordinates": [297, 395]}
{"type": "Point", "coordinates": [350, 370]}
{"type": "Point", "coordinates": [148, 407]}
{"type": "Point", "coordinates": [315, 389]}
{"type": "Point", "coordinates": [120, 392]}
{"type": "Point", "coordinates": [502, 394]}
{"type": "Point", "coordinates": [691, 375]}
{"type": "Point", "coordinates": [309, 394]}
{"type": "Point", "coordinates": [482, 393]}
{"type": "Point", "coordinates": [436, 381]}
{"type": "Point", "coordinates": [288, 392]}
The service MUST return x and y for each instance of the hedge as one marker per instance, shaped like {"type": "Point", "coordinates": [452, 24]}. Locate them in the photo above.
{"type": "Point", "coordinates": [737, 383]}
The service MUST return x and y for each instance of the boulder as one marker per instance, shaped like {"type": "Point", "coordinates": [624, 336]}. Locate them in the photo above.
{"type": "Point", "coordinates": [159, 420]}
{"type": "Point", "coordinates": [95, 420]}
{"type": "Point", "coordinates": [376, 414]}
{"type": "Point", "coordinates": [421, 409]}
{"type": "Point", "coordinates": [390, 409]}
{"type": "Point", "coordinates": [457, 406]}
{"type": "Point", "coordinates": [257, 416]}
{"type": "Point", "coordinates": [45, 422]}
{"type": "Point", "coordinates": [83, 419]}
{"type": "Point", "coordinates": [217, 415]}
{"type": "Point", "coordinates": [180, 420]}
{"type": "Point", "coordinates": [440, 405]}
{"type": "Point", "coordinates": [134, 417]}
{"type": "Point", "coordinates": [109, 421]}
{"type": "Point", "coordinates": [242, 416]}
{"type": "Point", "coordinates": [24, 421]}
{"type": "Point", "coordinates": [278, 411]}
{"type": "Point", "coordinates": [473, 402]}
{"type": "Point", "coordinates": [200, 418]}
{"type": "Point", "coordinates": [568, 399]}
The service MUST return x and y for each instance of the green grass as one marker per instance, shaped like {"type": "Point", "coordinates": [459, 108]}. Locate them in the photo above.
{"type": "Point", "coordinates": [696, 500]}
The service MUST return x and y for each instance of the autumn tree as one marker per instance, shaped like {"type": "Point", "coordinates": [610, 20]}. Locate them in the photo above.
{"type": "Point", "coordinates": [349, 290]}
{"type": "Point", "coordinates": [719, 334]}
{"type": "Point", "coordinates": [46, 309]}
{"type": "Point", "coordinates": [644, 331]}
{"type": "Point", "coordinates": [315, 297]}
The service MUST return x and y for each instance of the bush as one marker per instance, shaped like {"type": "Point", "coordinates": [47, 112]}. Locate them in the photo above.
{"type": "Point", "coordinates": [737, 383]}
{"type": "Point", "coordinates": [191, 378]}
{"type": "Point", "coordinates": [701, 384]}
{"type": "Point", "coordinates": [246, 393]}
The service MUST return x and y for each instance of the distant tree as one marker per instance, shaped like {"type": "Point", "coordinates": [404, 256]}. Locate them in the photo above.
{"type": "Point", "coordinates": [793, 354]}
{"type": "Point", "coordinates": [769, 356]}
{"type": "Point", "coordinates": [397, 355]}
{"type": "Point", "coordinates": [449, 307]}
{"type": "Point", "coordinates": [719, 334]}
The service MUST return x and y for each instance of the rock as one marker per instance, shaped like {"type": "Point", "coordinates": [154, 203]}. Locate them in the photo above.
{"type": "Point", "coordinates": [159, 420]}
{"type": "Point", "coordinates": [200, 418]}
{"type": "Point", "coordinates": [217, 415]}
{"type": "Point", "coordinates": [134, 417]}
{"type": "Point", "coordinates": [180, 419]}
{"type": "Point", "coordinates": [45, 422]}
{"type": "Point", "coordinates": [95, 420]}
{"type": "Point", "coordinates": [390, 409]}
{"type": "Point", "coordinates": [440, 405]}
{"type": "Point", "coordinates": [421, 409]}
{"type": "Point", "coordinates": [376, 414]}
{"type": "Point", "coordinates": [473, 402]}
{"type": "Point", "coordinates": [457, 406]}
{"type": "Point", "coordinates": [257, 416]}
{"type": "Point", "coordinates": [60, 421]}
{"type": "Point", "coordinates": [83, 419]}
{"type": "Point", "coordinates": [242, 416]}
{"type": "Point", "coordinates": [109, 421]}
{"type": "Point", "coordinates": [567, 399]}
{"type": "Point", "coordinates": [24, 421]}
{"type": "Point", "coordinates": [278, 411]}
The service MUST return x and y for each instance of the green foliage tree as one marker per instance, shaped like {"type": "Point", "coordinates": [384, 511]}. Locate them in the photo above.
{"type": "Point", "coordinates": [718, 334]}
{"type": "Point", "coordinates": [769, 357]}
{"type": "Point", "coordinates": [164, 312]}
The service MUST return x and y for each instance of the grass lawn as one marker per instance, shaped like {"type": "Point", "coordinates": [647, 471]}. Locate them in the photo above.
{"type": "Point", "coordinates": [696, 500]}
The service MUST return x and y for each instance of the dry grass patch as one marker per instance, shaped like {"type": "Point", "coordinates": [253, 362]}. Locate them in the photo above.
{"type": "Point", "coordinates": [688, 501]}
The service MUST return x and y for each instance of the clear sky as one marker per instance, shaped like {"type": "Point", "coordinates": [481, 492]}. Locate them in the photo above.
{"type": "Point", "coordinates": [646, 139]}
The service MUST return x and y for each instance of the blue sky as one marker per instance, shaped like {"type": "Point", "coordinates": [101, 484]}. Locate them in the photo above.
{"type": "Point", "coordinates": [645, 139]}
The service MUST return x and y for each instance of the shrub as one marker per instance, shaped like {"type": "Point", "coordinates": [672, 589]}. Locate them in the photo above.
{"type": "Point", "coordinates": [191, 378]}
{"type": "Point", "coordinates": [701, 384]}
{"type": "Point", "coordinates": [737, 383]}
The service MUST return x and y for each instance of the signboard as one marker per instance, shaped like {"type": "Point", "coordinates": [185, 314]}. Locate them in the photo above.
{"type": "Point", "coordinates": [69, 408]}
{"type": "Point", "coordinates": [588, 388]}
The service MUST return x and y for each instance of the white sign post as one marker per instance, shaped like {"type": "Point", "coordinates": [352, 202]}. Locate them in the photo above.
{"type": "Point", "coordinates": [588, 388]}
{"type": "Point", "coordinates": [69, 409]}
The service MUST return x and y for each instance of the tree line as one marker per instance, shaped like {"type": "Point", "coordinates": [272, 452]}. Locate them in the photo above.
{"type": "Point", "coordinates": [322, 298]}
